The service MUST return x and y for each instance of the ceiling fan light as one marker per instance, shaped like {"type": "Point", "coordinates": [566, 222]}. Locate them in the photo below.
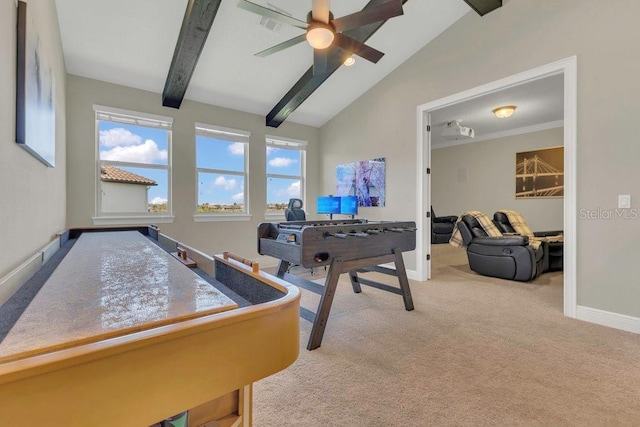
{"type": "Point", "coordinates": [349, 61]}
{"type": "Point", "coordinates": [319, 35]}
{"type": "Point", "coordinates": [504, 112]}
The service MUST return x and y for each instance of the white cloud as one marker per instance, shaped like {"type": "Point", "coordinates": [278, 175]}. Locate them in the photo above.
{"type": "Point", "coordinates": [294, 189]}
{"type": "Point", "coordinates": [158, 201]}
{"type": "Point", "coordinates": [239, 196]}
{"type": "Point", "coordinates": [291, 191]}
{"type": "Point", "coordinates": [237, 148]}
{"type": "Point", "coordinates": [119, 136]}
{"type": "Point", "coordinates": [281, 162]}
{"type": "Point", "coordinates": [143, 153]}
{"type": "Point", "coordinates": [227, 184]}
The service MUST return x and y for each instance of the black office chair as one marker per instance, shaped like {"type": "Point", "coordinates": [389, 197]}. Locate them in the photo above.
{"type": "Point", "coordinates": [294, 211]}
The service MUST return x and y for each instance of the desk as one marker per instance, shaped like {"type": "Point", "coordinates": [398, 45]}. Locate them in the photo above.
{"type": "Point", "coordinates": [123, 334]}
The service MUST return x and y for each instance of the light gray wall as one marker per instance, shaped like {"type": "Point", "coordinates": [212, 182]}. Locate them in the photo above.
{"type": "Point", "coordinates": [213, 237]}
{"type": "Point", "coordinates": [32, 196]}
{"type": "Point", "coordinates": [489, 168]}
{"type": "Point", "coordinates": [520, 36]}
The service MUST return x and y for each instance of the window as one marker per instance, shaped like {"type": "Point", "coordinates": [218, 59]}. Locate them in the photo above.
{"type": "Point", "coordinates": [285, 172]}
{"type": "Point", "coordinates": [133, 163]}
{"type": "Point", "coordinates": [221, 166]}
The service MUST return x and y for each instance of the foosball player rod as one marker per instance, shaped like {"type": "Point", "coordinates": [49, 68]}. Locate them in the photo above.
{"type": "Point", "coordinates": [358, 235]}
{"type": "Point", "coordinates": [336, 235]}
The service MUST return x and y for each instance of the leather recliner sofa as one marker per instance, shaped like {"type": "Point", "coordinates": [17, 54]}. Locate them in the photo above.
{"type": "Point", "coordinates": [441, 227]}
{"type": "Point", "coordinates": [553, 250]}
{"type": "Point", "coordinates": [506, 257]}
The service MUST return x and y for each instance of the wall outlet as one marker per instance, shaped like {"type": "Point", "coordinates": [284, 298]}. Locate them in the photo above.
{"type": "Point", "coordinates": [624, 201]}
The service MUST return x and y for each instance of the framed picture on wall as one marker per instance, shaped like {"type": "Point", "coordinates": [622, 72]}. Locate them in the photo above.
{"type": "Point", "coordinates": [35, 106]}
{"type": "Point", "coordinates": [540, 173]}
{"type": "Point", "coordinates": [365, 180]}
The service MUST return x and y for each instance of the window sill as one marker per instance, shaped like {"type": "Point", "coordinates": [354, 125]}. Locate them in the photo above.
{"type": "Point", "coordinates": [221, 217]}
{"type": "Point", "coordinates": [274, 217]}
{"type": "Point", "coordinates": [133, 220]}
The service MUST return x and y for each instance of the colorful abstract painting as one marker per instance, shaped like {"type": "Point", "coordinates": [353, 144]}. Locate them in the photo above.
{"type": "Point", "coordinates": [364, 179]}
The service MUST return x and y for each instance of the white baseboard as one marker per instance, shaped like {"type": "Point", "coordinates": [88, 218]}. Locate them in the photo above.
{"type": "Point", "coordinates": [10, 283]}
{"type": "Point", "coordinates": [49, 250]}
{"type": "Point", "coordinates": [607, 318]}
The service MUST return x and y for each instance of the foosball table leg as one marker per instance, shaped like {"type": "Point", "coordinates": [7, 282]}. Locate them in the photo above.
{"type": "Point", "coordinates": [283, 266]}
{"type": "Point", "coordinates": [353, 276]}
{"type": "Point", "coordinates": [404, 280]}
{"type": "Point", "coordinates": [322, 315]}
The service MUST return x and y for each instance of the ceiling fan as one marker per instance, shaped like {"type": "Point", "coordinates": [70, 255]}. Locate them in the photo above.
{"type": "Point", "coordinates": [323, 31]}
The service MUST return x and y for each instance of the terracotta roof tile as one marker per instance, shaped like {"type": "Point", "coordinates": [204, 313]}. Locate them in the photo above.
{"type": "Point", "coordinates": [113, 174]}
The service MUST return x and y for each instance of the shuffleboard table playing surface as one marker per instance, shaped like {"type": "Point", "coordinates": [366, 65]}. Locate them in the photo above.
{"type": "Point", "coordinates": [108, 285]}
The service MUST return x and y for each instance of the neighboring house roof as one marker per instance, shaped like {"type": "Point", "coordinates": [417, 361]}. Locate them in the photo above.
{"type": "Point", "coordinates": [113, 174]}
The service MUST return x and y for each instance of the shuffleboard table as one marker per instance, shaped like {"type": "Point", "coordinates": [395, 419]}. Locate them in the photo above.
{"type": "Point", "coordinates": [122, 333]}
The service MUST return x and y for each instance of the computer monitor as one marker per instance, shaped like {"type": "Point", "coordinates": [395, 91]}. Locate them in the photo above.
{"type": "Point", "coordinates": [328, 205]}
{"type": "Point", "coordinates": [349, 205]}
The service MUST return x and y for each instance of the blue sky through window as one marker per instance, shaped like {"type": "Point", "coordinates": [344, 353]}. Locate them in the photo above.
{"type": "Point", "coordinates": [221, 187]}
{"type": "Point", "coordinates": [137, 144]}
{"type": "Point", "coordinates": [218, 154]}
{"type": "Point", "coordinates": [283, 161]}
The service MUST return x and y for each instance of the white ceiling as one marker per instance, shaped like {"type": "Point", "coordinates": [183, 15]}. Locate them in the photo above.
{"type": "Point", "coordinates": [131, 43]}
{"type": "Point", "coordinates": [540, 105]}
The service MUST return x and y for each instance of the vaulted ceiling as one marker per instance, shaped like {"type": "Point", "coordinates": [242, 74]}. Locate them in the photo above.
{"type": "Point", "coordinates": [132, 43]}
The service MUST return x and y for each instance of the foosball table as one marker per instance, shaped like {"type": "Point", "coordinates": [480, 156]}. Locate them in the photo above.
{"type": "Point", "coordinates": [346, 246]}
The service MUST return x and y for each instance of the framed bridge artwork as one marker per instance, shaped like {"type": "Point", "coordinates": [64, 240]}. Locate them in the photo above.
{"type": "Point", "coordinates": [540, 173]}
{"type": "Point", "coordinates": [35, 105]}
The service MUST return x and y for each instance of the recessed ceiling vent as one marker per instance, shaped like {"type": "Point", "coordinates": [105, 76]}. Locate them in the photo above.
{"type": "Point", "coordinates": [272, 24]}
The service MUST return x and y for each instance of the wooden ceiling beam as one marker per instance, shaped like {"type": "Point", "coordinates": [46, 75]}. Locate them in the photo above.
{"type": "Point", "coordinates": [482, 7]}
{"type": "Point", "coordinates": [308, 83]}
{"type": "Point", "coordinates": [197, 21]}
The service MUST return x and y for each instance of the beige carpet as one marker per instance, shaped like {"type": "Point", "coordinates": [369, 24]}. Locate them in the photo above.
{"type": "Point", "coordinates": [475, 351]}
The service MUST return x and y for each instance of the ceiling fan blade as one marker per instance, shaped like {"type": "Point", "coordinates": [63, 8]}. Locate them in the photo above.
{"type": "Point", "coordinates": [320, 11]}
{"type": "Point", "coordinates": [369, 16]}
{"type": "Point", "coordinates": [359, 48]}
{"type": "Point", "coordinates": [268, 13]}
{"type": "Point", "coordinates": [320, 61]}
{"type": "Point", "coordinates": [282, 46]}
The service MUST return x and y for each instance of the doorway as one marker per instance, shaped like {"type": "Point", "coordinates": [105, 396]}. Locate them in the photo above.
{"type": "Point", "coordinates": [568, 68]}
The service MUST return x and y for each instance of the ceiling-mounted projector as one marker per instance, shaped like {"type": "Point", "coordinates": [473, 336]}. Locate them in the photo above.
{"type": "Point", "coordinates": [453, 131]}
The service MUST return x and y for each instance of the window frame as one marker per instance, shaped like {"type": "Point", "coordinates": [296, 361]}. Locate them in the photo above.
{"type": "Point", "coordinates": [137, 118]}
{"type": "Point", "coordinates": [221, 133]}
{"type": "Point", "coordinates": [289, 144]}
